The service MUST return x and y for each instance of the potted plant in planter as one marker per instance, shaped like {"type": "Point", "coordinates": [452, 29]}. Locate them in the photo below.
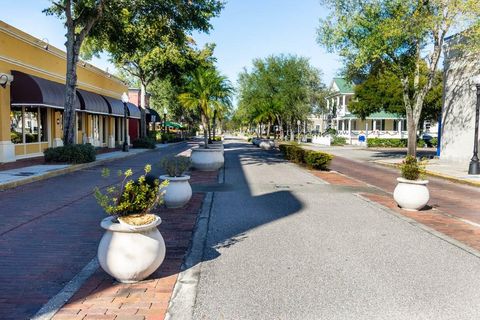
{"type": "Point", "coordinates": [411, 192]}
{"type": "Point", "coordinates": [131, 248]}
{"type": "Point", "coordinates": [178, 191]}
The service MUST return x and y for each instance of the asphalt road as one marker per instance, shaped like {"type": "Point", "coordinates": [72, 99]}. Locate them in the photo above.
{"type": "Point", "coordinates": [282, 244]}
{"type": "Point", "coordinates": [50, 230]}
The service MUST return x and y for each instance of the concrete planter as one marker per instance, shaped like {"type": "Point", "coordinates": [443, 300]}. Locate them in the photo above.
{"type": "Point", "coordinates": [210, 159]}
{"type": "Point", "coordinates": [128, 253]}
{"type": "Point", "coordinates": [411, 195]}
{"type": "Point", "coordinates": [178, 192]}
{"type": "Point", "coordinates": [267, 144]}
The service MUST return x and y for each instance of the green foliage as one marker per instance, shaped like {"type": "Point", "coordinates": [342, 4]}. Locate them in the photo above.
{"type": "Point", "coordinates": [317, 160]}
{"type": "Point", "coordinates": [175, 166]}
{"type": "Point", "coordinates": [386, 143]}
{"type": "Point", "coordinates": [404, 36]}
{"type": "Point", "coordinates": [338, 141]}
{"type": "Point", "coordinates": [330, 131]}
{"type": "Point", "coordinates": [75, 153]}
{"type": "Point", "coordinates": [412, 169]}
{"type": "Point", "coordinates": [312, 159]}
{"type": "Point", "coordinates": [281, 88]}
{"type": "Point", "coordinates": [132, 196]}
{"type": "Point", "coordinates": [217, 138]}
{"type": "Point", "coordinates": [144, 143]}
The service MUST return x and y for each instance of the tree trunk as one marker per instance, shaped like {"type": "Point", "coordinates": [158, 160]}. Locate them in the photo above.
{"type": "Point", "coordinates": [268, 129]}
{"type": "Point", "coordinates": [412, 134]}
{"type": "Point", "coordinates": [205, 131]}
{"type": "Point", "coordinates": [73, 49]}
{"type": "Point", "coordinates": [214, 122]}
{"type": "Point", "coordinates": [280, 126]}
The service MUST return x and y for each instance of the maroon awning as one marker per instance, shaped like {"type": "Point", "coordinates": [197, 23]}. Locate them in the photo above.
{"type": "Point", "coordinates": [34, 91]}
{"type": "Point", "coordinates": [92, 102]}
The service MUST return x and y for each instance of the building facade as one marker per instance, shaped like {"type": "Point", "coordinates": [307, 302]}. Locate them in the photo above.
{"type": "Point", "coordinates": [31, 106]}
{"type": "Point", "coordinates": [461, 75]}
{"type": "Point", "coordinates": [354, 129]}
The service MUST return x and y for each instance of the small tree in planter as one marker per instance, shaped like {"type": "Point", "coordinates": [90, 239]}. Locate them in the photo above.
{"type": "Point", "coordinates": [178, 192]}
{"type": "Point", "coordinates": [131, 248]}
{"type": "Point", "coordinates": [411, 192]}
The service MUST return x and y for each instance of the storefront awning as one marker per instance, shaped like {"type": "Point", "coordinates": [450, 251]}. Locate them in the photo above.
{"type": "Point", "coordinates": [152, 115]}
{"type": "Point", "coordinates": [116, 106]}
{"type": "Point", "coordinates": [31, 90]}
{"type": "Point", "coordinates": [93, 103]}
{"type": "Point", "coordinates": [133, 111]}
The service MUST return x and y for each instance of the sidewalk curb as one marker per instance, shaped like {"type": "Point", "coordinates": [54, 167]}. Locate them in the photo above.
{"type": "Point", "coordinates": [434, 174]}
{"type": "Point", "coordinates": [72, 168]}
{"type": "Point", "coordinates": [419, 225]}
{"type": "Point", "coordinates": [184, 293]}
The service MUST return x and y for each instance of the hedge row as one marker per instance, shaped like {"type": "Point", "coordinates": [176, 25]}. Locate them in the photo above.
{"type": "Point", "coordinates": [144, 143]}
{"type": "Point", "coordinates": [76, 153]}
{"type": "Point", "coordinates": [312, 159]}
{"type": "Point", "coordinates": [398, 143]}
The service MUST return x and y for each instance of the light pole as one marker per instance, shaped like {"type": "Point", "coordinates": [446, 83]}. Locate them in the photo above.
{"type": "Point", "coordinates": [298, 130]}
{"type": "Point", "coordinates": [182, 119]}
{"type": "Point", "coordinates": [474, 167]}
{"type": "Point", "coordinates": [125, 108]}
{"type": "Point", "coordinates": [164, 123]}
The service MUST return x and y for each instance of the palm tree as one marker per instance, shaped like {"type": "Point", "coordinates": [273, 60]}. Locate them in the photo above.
{"type": "Point", "coordinates": [206, 91]}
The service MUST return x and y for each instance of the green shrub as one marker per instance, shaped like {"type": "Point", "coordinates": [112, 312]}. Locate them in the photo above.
{"type": "Point", "coordinates": [412, 169]}
{"type": "Point", "coordinates": [386, 143]}
{"type": "Point", "coordinates": [422, 143]}
{"type": "Point", "coordinates": [144, 143]}
{"type": "Point", "coordinates": [317, 160]}
{"type": "Point", "coordinates": [175, 166]}
{"type": "Point", "coordinates": [434, 142]}
{"type": "Point", "coordinates": [330, 131]}
{"type": "Point", "coordinates": [292, 152]}
{"type": "Point", "coordinates": [76, 153]}
{"type": "Point", "coordinates": [217, 138]}
{"type": "Point", "coordinates": [338, 141]}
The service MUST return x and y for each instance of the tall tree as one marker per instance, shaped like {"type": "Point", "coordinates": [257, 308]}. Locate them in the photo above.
{"type": "Point", "coordinates": [403, 34]}
{"type": "Point", "coordinates": [205, 90]}
{"type": "Point", "coordinates": [281, 89]}
{"type": "Point", "coordinates": [136, 32]}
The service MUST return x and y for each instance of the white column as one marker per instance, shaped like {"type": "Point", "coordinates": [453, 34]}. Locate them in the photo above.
{"type": "Point", "coordinates": [399, 127]}
{"type": "Point", "coordinates": [343, 125]}
{"type": "Point", "coordinates": [350, 130]}
{"type": "Point", "coordinates": [374, 124]}
{"type": "Point", "coordinates": [343, 97]}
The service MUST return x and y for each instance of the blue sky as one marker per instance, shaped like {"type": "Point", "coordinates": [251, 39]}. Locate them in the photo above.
{"type": "Point", "coordinates": [246, 29]}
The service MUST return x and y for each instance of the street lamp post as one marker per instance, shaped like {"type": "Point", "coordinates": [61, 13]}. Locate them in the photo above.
{"type": "Point", "coordinates": [474, 167]}
{"type": "Point", "coordinates": [125, 109]}
{"type": "Point", "coordinates": [164, 123]}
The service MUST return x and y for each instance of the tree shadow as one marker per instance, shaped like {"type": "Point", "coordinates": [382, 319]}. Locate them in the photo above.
{"type": "Point", "coordinates": [241, 211]}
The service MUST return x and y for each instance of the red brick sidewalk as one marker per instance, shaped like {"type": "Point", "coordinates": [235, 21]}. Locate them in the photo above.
{"type": "Point", "coordinates": [101, 297]}
{"type": "Point", "coordinates": [436, 219]}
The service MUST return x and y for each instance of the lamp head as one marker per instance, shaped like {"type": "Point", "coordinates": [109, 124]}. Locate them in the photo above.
{"type": "Point", "coordinates": [5, 79]}
{"type": "Point", "coordinates": [125, 97]}
{"type": "Point", "coordinates": [165, 111]}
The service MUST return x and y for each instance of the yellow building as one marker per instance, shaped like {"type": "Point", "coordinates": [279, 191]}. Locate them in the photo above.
{"type": "Point", "coordinates": [31, 104]}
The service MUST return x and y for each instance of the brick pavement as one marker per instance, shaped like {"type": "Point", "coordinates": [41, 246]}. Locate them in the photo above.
{"type": "Point", "coordinates": [101, 297]}
{"type": "Point", "coordinates": [438, 218]}
{"type": "Point", "coordinates": [50, 231]}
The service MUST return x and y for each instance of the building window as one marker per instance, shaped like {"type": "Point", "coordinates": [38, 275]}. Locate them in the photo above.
{"type": "Point", "coordinates": [28, 124]}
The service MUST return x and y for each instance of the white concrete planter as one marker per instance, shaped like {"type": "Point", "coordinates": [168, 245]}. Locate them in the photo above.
{"type": "Point", "coordinates": [178, 192]}
{"type": "Point", "coordinates": [130, 254]}
{"type": "Point", "coordinates": [210, 159]}
{"type": "Point", "coordinates": [267, 144]}
{"type": "Point", "coordinates": [411, 195]}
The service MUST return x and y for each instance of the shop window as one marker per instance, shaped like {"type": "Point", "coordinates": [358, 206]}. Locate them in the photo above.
{"type": "Point", "coordinates": [79, 122]}
{"type": "Point", "coordinates": [28, 124]}
{"type": "Point", "coordinates": [16, 124]}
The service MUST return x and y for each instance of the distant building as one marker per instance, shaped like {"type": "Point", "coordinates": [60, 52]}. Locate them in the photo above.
{"type": "Point", "coordinates": [355, 130]}
{"type": "Point", "coordinates": [461, 71]}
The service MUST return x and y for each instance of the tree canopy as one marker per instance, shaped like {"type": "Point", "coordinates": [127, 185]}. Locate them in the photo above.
{"type": "Point", "coordinates": [400, 34]}
{"type": "Point", "coordinates": [279, 89]}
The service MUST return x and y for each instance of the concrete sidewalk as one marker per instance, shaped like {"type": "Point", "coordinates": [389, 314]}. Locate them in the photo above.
{"type": "Point", "coordinates": [284, 244]}
{"type": "Point", "coordinates": [20, 176]}
{"type": "Point", "coordinates": [453, 171]}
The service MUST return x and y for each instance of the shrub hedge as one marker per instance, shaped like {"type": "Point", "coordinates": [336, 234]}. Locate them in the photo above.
{"type": "Point", "coordinates": [144, 143]}
{"type": "Point", "coordinates": [76, 153]}
{"type": "Point", "coordinates": [398, 143]}
{"type": "Point", "coordinates": [338, 141]}
{"type": "Point", "coordinates": [312, 159]}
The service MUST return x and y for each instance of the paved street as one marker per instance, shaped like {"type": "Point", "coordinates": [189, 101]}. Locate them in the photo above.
{"type": "Point", "coordinates": [50, 231]}
{"type": "Point", "coordinates": [282, 244]}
